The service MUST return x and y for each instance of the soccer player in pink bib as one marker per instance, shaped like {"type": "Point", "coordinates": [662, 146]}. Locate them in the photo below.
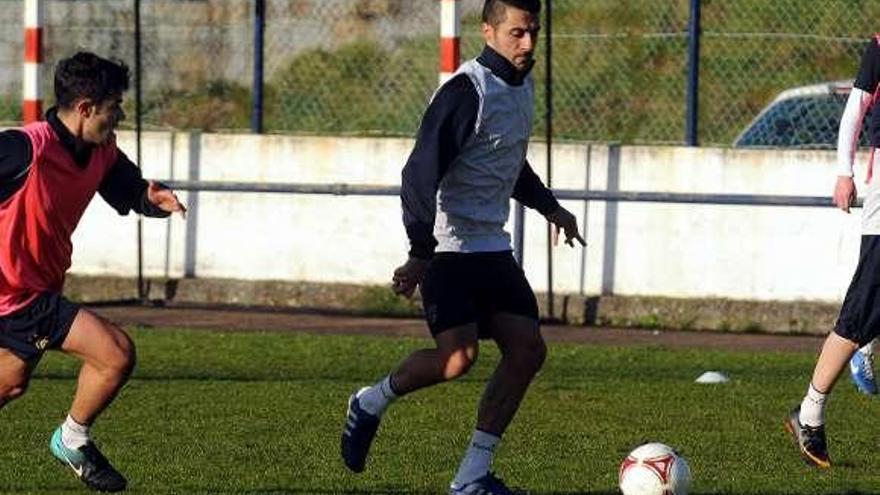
{"type": "Point", "coordinates": [49, 172]}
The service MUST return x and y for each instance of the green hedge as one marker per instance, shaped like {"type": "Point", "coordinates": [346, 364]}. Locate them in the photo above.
{"type": "Point", "coordinates": [620, 73]}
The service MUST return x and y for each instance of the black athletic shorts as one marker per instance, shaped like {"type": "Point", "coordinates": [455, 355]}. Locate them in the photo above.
{"type": "Point", "coordinates": [461, 288]}
{"type": "Point", "coordinates": [43, 324]}
{"type": "Point", "coordinates": [859, 319]}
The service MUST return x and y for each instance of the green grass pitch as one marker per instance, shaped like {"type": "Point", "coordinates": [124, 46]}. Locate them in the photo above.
{"type": "Point", "coordinates": [253, 413]}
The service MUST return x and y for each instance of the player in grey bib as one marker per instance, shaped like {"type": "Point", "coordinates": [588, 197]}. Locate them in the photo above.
{"type": "Point", "coordinates": [469, 160]}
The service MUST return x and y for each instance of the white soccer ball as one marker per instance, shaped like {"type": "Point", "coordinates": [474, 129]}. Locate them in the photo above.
{"type": "Point", "coordinates": [654, 469]}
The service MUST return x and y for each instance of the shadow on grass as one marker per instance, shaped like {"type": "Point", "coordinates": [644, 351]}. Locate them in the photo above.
{"type": "Point", "coordinates": [334, 491]}
{"type": "Point", "coordinates": [393, 491]}
{"type": "Point", "coordinates": [151, 377]}
{"type": "Point", "coordinates": [617, 492]}
{"type": "Point", "coordinates": [366, 311]}
{"type": "Point", "coordinates": [386, 491]}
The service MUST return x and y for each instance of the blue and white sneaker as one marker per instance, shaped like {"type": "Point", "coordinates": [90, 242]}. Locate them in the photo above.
{"type": "Point", "coordinates": [861, 368]}
{"type": "Point", "coordinates": [88, 464]}
{"type": "Point", "coordinates": [487, 485]}
{"type": "Point", "coordinates": [357, 434]}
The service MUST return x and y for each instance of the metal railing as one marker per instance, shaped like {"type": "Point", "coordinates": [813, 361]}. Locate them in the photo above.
{"type": "Point", "coordinates": [342, 189]}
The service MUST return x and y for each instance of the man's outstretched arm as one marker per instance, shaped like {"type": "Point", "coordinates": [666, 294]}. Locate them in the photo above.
{"type": "Point", "coordinates": [125, 189]}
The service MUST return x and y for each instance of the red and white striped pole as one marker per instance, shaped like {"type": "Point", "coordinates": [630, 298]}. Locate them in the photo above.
{"type": "Point", "coordinates": [33, 59]}
{"type": "Point", "coordinates": [450, 36]}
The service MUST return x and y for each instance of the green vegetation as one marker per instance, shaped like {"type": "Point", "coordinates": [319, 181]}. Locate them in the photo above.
{"type": "Point", "coordinates": [216, 105]}
{"type": "Point", "coordinates": [358, 88]}
{"type": "Point", "coordinates": [620, 72]}
{"type": "Point", "coordinates": [382, 301]}
{"type": "Point", "coordinates": [10, 108]}
{"type": "Point", "coordinates": [261, 412]}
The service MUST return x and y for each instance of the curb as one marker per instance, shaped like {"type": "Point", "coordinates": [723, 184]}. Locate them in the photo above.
{"type": "Point", "coordinates": [711, 314]}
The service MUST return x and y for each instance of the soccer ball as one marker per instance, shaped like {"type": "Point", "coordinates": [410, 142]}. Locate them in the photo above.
{"type": "Point", "coordinates": [654, 469]}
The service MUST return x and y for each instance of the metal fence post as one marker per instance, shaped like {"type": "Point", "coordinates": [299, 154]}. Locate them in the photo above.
{"type": "Point", "coordinates": [588, 159]}
{"type": "Point", "coordinates": [548, 93]}
{"type": "Point", "coordinates": [693, 88]}
{"type": "Point", "coordinates": [138, 117]}
{"type": "Point", "coordinates": [259, 30]}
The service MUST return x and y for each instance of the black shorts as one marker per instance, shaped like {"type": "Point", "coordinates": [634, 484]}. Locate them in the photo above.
{"type": "Point", "coordinates": [43, 324]}
{"type": "Point", "coordinates": [462, 288]}
{"type": "Point", "coordinates": [859, 319]}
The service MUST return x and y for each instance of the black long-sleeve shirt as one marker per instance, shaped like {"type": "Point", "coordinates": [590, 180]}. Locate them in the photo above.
{"type": "Point", "coordinates": [445, 129]}
{"type": "Point", "coordinates": [123, 188]}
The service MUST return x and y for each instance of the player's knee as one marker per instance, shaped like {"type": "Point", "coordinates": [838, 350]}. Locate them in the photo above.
{"type": "Point", "coordinates": [128, 360]}
{"type": "Point", "coordinates": [122, 359]}
{"type": "Point", "coordinates": [530, 357]}
{"type": "Point", "coordinates": [537, 355]}
{"type": "Point", "coordinates": [11, 391]}
{"type": "Point", "coordinates": [458, 362]}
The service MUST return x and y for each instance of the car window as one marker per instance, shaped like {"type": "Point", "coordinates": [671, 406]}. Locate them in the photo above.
{"type": "Point", "coordinates": [802, 122]}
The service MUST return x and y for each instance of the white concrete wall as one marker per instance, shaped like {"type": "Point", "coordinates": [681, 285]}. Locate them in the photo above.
{"type": "Point", "coordinates": [742, 252]}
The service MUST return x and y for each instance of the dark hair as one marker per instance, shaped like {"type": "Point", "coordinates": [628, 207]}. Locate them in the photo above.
{"type": "Point", "coordinates": [86, 75]}
{"type": "Point", "coordinates": [494, 11]}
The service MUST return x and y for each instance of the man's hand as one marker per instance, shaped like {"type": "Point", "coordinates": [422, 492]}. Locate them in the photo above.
{"type": "Point", "coordinates": [164, 198]}
{"type": "Point", "coordinates": [562, 219]}
{"type": "Point", "coordinates": [408, 276]}
{"type": "Point", "coordinates": [844, 193]}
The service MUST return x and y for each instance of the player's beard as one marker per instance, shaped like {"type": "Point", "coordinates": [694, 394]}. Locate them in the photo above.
{"type": "Point", "coordinates": [107, 132]}
{"type": "Point", "coordinates": [524, 62]}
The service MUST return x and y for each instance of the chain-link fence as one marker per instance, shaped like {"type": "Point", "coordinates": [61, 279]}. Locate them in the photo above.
{"type": "Point", "coordinates": [620, 67]}
{"type": "Point", "coordinates": [343, 66]}
{"type": "Point", "coordinates": [620, 70]}
{"type": "Point", "coordinates": [11, 59]}
{"type": "Point", "coordinates": [751, 50]}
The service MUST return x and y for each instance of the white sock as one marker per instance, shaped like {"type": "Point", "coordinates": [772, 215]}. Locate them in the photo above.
{"type": "Point", "coordinates": [73, 434]}
{"type": "Point", "coordinates": [477, 458]}
{"type": "Point", "coordinates": [377, 398]}
{"type": "Point", "coordinates": [868, 348]}
{"type": "Point", "coordinates": [813, 407]}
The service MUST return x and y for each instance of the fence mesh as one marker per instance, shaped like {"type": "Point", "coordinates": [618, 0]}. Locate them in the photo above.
{"type": "Point", "coordinates": [11, 59]}
{"type": "Point", "coordinates": [369, 66]}
{"type": "Point", "coordinates": [619, 70]}
{"type": "Point", "coordinates": [343, 66]}
{"type": "Point", "coordinates": [753, 50]}
{"type": "Point", "coordinates": [197, 59]}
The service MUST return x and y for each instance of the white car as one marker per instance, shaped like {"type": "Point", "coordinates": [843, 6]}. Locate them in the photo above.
{"type": "Point", "coordinates": [802, 117]}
